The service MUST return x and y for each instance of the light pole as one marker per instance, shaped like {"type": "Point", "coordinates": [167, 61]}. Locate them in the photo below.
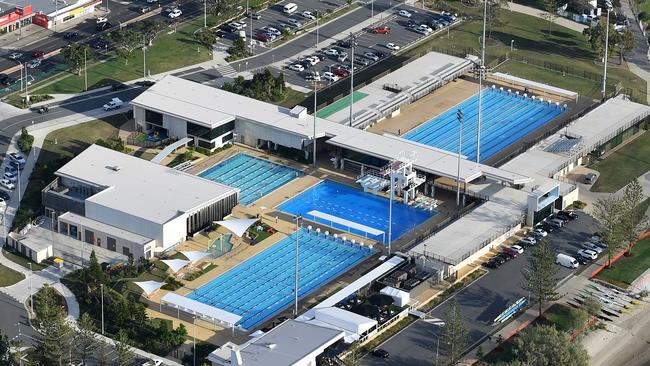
{"type": "Point", "coordinates": [26, 90]}
{"type": "Point", "coordinates": [21, 76]}
{"type": "Point", "coordinates": [390, 210]}
{"type": "Point", "coordinates": [480, 92]}
{"type": "Point", "coordinates": [295, 290]}
{"type": "Point", "coordinates": [106, 5]}
{"type": "Point", "coordinates": [101, 286]}
{"type": "Point", "coordinates": [205, 13]}
{"type": "Point", "coordinates": [372, 8]}
{"type": "Point", "coordinates": [317, 17]}
{"type": "Point", "coordinates": [437, 348]}
{"type": "Point", "coordinates": [512, 45]}
{"type": "Point", "coordinates": [18, 179]}
{"type": "Point", "coordinates": [314, 135]}
{"type": "Point", "coordinates": [85, 69]}
{"type": "Point", "coordinates": [353, 40]}
{"type": "Point", "coordinates": [194, 340]}
{"type": "Point", "coordinates": [31, 299]}
{"type": "Point", "coordinates": [606, 50]}
{"type": "Point", "coordinates": [144, 61]}
{"type": "Point", "coordinates": [459, 116]}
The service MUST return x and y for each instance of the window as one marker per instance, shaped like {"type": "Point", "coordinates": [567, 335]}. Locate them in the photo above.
{"type": "Point", "coordinates": [126, 251]}
{"type": "Point", "coordinates": [89, 236]}
{"type": "Point", "coordinates": [205, 132]}
{"type": "Point", "coordinates": [153, 117]}
{"type": "Point", "coordinates": [227, 138]}
{"type": "Point", "coordinates": [110, 242]}
{"type": "Point", "coordinates": [74, 232]}
{"type": "Point", "coordinates": [99, 242]}
{"type": "Point", "coordinates": [206, 145]}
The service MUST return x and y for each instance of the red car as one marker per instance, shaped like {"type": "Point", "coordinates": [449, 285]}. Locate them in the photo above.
{"type": "Point", "coordinates": [381, 30]}
{"type": "Point", "coordinates": [38, 53]}
{"type": "Point", "coordinates": [263, 37]}
{"type": "Point", "coordinates": [513, 253]}
{"type": "Point", "coordinates": [341, 73]}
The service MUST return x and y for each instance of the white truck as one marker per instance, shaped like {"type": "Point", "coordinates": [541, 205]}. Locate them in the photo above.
{"type": "Point", "coordinates": [115, 103]}
{"type": "Point", "coordinates": [566, 261]}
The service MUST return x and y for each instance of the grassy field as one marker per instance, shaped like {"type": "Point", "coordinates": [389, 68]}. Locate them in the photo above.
{"type": "Point", "coordinates": [627, 269]}
{"type": "Point", "coordinates": [23, 261]}
{"type": "Point", "coordinates": [58, 148]}
{"type": "Point", "coordinates": [623, 165]}
{"type": "Point", "coordinates": [293, 97]}
{"type": "Point", "coordinates": [9, 277]}
{"type": "Point", "coordinates": [564, 47]}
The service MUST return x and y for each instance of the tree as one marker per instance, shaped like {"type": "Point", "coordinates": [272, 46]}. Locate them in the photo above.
{"type": "Point", "coordinates": [5, 346]}
{"type": "Point", "coordinates": [579, 6]}
{"type": "Point", "coordinates": [53, 346]}
{"type": "Point", "coordinates": [539, 275]}
{"type": "Point", "coordinates": [631, 215]}
{"type": "Point", "coordinates": [126, 41]}
{"type": "Point", "coordinates": [544, 345]}
{"type": "Point", "coordinates": [102, 354]}
{"type": "Point", "coordinates": [609, 213]}
{"type": "Point", "coordinates": [206, 38]}
{"type": "Point", "coordinates": [218, 7]}
{"type": "Point", "coordinates": [493, 18]}
{"type": "Point", "coordinates": [25, 141]}
{"type": "Point", "coordinates": [596, 36]}
{"type": "Point", "coordinates": [125, 355]}
{"type": "Point", "coordinates": [592, 306]}
{"type": "Point", "coordinates": [551, 10]}
{"type": "Point", "coordinates": [85, 338]}
{"type": "Point", "coordinates": [238, 49]}
{"type": "Point", "coordinates": [73, 56]}
{"type": "Point", "coordinates": [150, 29]}
{"type": "Point", "coordinates": [454, 334]}
{"type": "Point", "coordinates": [626, 43]}
{"type": "Point", "coordinates": [95, 271]}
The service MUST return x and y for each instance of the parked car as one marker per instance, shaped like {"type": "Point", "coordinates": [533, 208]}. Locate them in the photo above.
{"type": "Point", "coordinates": [38, 54]}
{"type": "Point", "coordinates": [16, 165]}
{"type": "Point", "coordinates": [590, 178]}
{"type": "Point", "coordinates": [237, 25]}
{"type": "Point", "coordinates": [308, 15]}
{"type": "Point", "coordinates": [513, 253]}
{"type": "Point", "coordinates": [571, 215]}
{"type": "Point", "coordinates": [591, 246]}
{"type": "Point", "coordinates": [500, 259]}
{"type": "Point", "coordinates": [566, 261]}
{"type": "Point", "coordinates": [381, 30]}
{"type": "Point", "coordinates": [269, 29]}
{"type": "Point", "coordinates": [15, 55]}
{"type": "Point", "coordinates": [361, 61]}
{"type": "Point", "coordinates": [347, 43]}
{"type": "Point", "coordinates": [378, 352]}
{"type": "Point", "coordinates": [539, 231]}
{"type": "Point", "coordinates": [586, 253]}
{"type": "Point", "coordinates": [152, 1]}
{"type": "Point", "coordinates": [11, 176]}
{"type": "Point", "coordinates": [33, 63]}
{"type": "Point", "coordinates": [314, 76]}
{"type": "Point", "coordinates": [518, 249]}
{"type": "Point", "coordinates": [17, 158]}
{"type": "Point", "coordinates": [341, 73]}
{"type": "Point", "coordinates": [296, 67]}
{"type": "Point", "coordinates": [331, 52]}
{"type": "Point", "coordinates": [313, 60]}
{"type": "Point", "coordinates": [72, 34]}
{"type": "Point", "coordinates": [263, 37]}
{"type": "Point", "coordinates": [4, 195]}
{"type": "Point", "coordinates": [411, 23]}
{"type": "Point", "coordinates": [175, 14]}
{"type": "Point", "coordinates": [103, 26]}
{"type": "Point", "coordinates": [371, 56]}
{"type": "Point", "coordinates": [255, 16]}
{"type": "Point", "coordinates": [425, 28]}
{"type": "Point", "coordinates": [505, 256]}
{"type": "Point", "coordinates": [294, 22]}
{"type": "Point", "coordinates": [118, 86]}
{"type": "Point", "coordinates": [342, 57]}
{"type": "Point", "coordinates": [582, 260]}
{"type": "Point", "coordinates": [5, 183]}
{"type": "Point", "coordinates": [596, 239]}
{"type": "Point", "coordinates": [102, 20]}
{"type": "Point", "coordinates": [330, 76]}
{"type": "Point", "coordinates": [529, 240]}
{"type": "Point", "coordinates": [392, 46]}
{"type": "Point", "coordinates": [556, 222]}
{"type": "Point", "coordinates": [404, 13]}
{"type": "Point", "coordinates": [546, 227]}
{"type": "Point", "coordinates": [492, 263]}
{"type": "Point", "coordinates": [145, 9]}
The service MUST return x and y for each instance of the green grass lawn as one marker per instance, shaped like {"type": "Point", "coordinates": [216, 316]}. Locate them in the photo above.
{"type": "Point", "coordinates": [619, 168]}
{"type": "Point", "coordinates": [9, 277]}
{"type": "Point", "coordinates": [23, 261]}
{"type": "Point", "coordinates": [293, 98]}
{"type": "Point", "coordinates": [58, 148]}
{"type": "Point", "coordinates": [627, 269]}
{"type": "Point", "coordinates": [565, 47]}
{"type": "Point", "coordinates": [564, 317]}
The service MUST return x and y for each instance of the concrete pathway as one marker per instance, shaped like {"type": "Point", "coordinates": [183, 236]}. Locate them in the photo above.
{"type": "Point", "coordinates": [567, 23]}
{"type": "Point", "coordinates": [638, 58]}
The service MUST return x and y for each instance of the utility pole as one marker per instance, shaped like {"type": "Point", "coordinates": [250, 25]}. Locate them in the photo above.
{"type": "Point", "coordinates": [194, 340]}
{"type": "Point", "coordinates": [459, 115]}
{"type": "Point", "coordinates": [31, 272]}
{"type": "Point", "coordinates": [101, 286]}
{"type": "Point", "coordinates": [353, 40]}
{"type": "Point", "coordinates": [314, 135]}
{"type": "Point", "coordinates": [205, 13]}
{"type": "Point", "coordinates": [372, 9]}
{"type": "Point", "coordinates": [606, 51]}
{"type": "Point", "coordinates": [390, 210]}
{"type": "Point", "coordinates": [26, 83]}
{"type": "Point", "coordinates": [295, 290]}
{"type": "Point", "coordinates": [85, 70]}
{"type": "Point", "coordinates": [480, 87]}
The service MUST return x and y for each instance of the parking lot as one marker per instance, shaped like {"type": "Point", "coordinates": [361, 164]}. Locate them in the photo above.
{"type": "Point", "coordinates": [481, 302]}
{"type": "Point", "coordinates": [392, 30]}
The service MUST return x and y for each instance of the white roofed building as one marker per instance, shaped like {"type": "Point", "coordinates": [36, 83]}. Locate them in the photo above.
{"type": "Point", "coordinates": [130, 205]}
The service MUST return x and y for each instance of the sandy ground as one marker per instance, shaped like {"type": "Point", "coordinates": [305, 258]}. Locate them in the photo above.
{"type": "Point", "coordinates": [426, 108]}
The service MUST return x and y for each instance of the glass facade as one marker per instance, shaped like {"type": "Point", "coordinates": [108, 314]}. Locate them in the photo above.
{"type": "Point", "coordinates": [209, 134]}
{"type": "Point", "coordinates": [152, 117]}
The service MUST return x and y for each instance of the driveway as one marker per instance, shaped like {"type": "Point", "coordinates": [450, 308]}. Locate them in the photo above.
{"type": "Point", "coordinates": [480, 302]}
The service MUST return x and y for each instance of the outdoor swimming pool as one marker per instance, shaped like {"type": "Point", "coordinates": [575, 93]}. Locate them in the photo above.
{"type": "Point", "coordinates": [355, 205]}
{"type": "Point", "coordinates": [506, 117]}
{"type": "Point", "coordinates": [264, 284]}
{"type": "Point", "coordinates": [255, 177]}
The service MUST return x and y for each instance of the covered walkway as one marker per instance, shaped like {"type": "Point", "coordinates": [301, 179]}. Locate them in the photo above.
{"type": "Point", "coordinates": [169, 149]}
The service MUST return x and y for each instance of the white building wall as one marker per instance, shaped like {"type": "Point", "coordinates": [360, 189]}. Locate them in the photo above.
{"type": "Point", "coordinates": [248, 133]}
{"type": "Point", "coordinates": [483, 251]}
{"type": "Point", "coordinates": [174, 231]}
{"type": "Point", "coordinates": [176, 127]}
{"type": "Point", "coordinates": [125, 221]}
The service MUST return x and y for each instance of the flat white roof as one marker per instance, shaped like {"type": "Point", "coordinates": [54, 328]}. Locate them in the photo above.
{"type": "Point", "coordinates": [200, 309]}
{"type": "Point", "coordinates": [108, 229]}
{"type": "Point", "coordinates": [535, 84]}
{"type": "Point", "coordinates": [287, 344]}
{"type": "Point", "coordinates": [354, 286]}
{"type": "Point", "coordinates": [188, 94]}
{"type": "Point", "coordinates": [139, 187]}
{"type": "Point", "coordinates": [344, 222]}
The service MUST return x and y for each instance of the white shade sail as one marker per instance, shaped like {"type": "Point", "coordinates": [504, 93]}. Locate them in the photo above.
{"type": "Point", "coordinates": [194, 255]}
{"type": "Point", "coordinates": [175, 264]}
{"type": "Point", "coordinates": [149, 287]}
{"type": "Point", "coordinates": [237, 226]}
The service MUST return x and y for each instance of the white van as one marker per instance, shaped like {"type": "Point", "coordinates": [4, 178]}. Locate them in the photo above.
{"type": "Point", "coordinates": [556, 222]}
{"type": "Point", "coordinates": [566, 261]}
{"type": "Point", "coordinates": [290, 8]}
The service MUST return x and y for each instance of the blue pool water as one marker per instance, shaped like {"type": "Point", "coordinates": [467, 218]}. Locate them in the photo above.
{"type": "Point", "coordinates": [357, 206]}
{"type": "Point", "coordinates": [253, 176]}
{"type": "Point", "coordinates": [506, 118]}
{"type": "Point", "coordinates": [264, 284]}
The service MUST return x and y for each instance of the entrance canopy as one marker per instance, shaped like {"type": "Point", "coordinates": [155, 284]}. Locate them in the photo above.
{"type": "Point", "coordinates": [237, 226]}
{"type": "Point", "coordinates": [149, 287]}
{"type": "Point", "coordinates": [347, 223]}
{"type": "Point", "coordinates": [200, 309]}
{"type": "Point", "coordinates": [194, 255]}
{"type": "Point", "coordinates": [175, 264]}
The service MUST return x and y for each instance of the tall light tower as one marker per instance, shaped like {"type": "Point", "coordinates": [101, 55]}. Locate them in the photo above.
{"type": "Point", "coordinates": [480, 85]}
{"type": "Point", "coordinates": [606, 51]}
{"type": "Point", "coordinates": [459, 115]}
{"type": "Point", "coordinates": [295, 289]}
{"type": "Point", "coordinates": [353, 41]}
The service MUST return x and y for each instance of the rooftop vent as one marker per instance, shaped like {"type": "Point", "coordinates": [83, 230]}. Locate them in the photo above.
{"type": "Point", "coordinates": [270, 345]}
{"type": "Point", "coordinates": [298, 111]}
{"type": "Point", "coordinates": [115, 168]}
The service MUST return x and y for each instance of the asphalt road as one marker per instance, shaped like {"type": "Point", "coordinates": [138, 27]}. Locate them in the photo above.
{"type": "Point", "coordinates": [14, 320]}
{"type": "Point", "coordinates": [480, 302]}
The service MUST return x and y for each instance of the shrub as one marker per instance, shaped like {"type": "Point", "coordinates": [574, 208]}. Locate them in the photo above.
{"type": "Point", "coordinates": [25, 141]}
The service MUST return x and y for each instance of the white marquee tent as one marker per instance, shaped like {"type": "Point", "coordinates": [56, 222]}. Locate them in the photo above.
{"type": "Point", "coordinates": [149, 287]}
{"type": "Point", "coordinates": [194, 255]}
{"type": "Point", "coordinates": [401, 297]}
{"type": "Point", "coordinates": [175, 264]}
{"type": "Point", "coordinates": [237, 226]}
